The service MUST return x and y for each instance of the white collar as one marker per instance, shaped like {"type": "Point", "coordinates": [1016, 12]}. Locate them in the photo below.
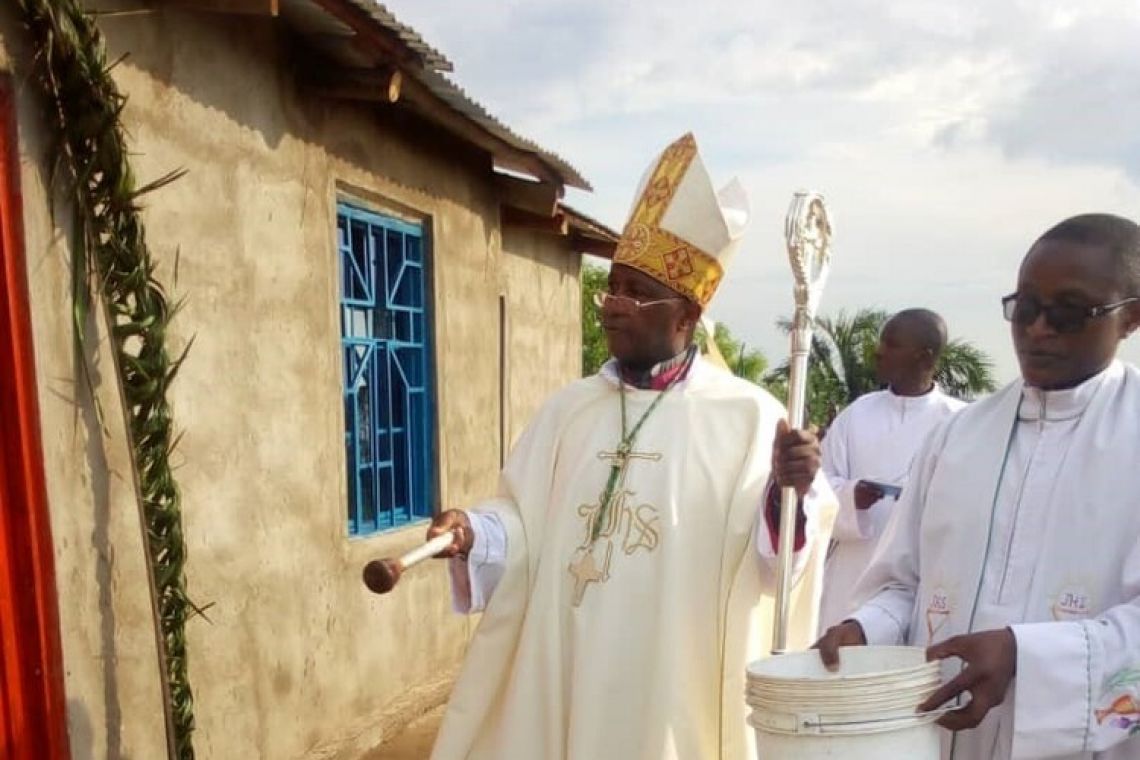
{"type": "Point", "coordinates": [929, 398]}
{"type": "Point", "coordinates": [1064, 404]}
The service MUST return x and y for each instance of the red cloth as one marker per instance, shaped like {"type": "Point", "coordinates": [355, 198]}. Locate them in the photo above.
{"type": "Point", "coordinates": [662, 375]}
{"type": "Point", "coordinates": [772, 517]}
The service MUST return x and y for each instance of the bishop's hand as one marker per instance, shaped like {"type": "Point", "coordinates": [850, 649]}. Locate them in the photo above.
{"type": "Point", "coordinates": [454, 520]}
{"type": "Point", "coordinates": [796, 456]}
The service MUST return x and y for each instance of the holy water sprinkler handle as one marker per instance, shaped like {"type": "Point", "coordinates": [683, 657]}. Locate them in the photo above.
{"type": "Point", "coordinates": [807, 229]}
{"type": "Point", "coordinates": [382, 575]}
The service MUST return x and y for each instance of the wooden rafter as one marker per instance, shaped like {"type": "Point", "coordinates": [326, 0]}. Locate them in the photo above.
{"type": "Point", "coordinates": [536, 197]}
{"type": "Point", "coordinates": [592, 245]}
{"type": "Point", "coordinates": [240, 7]}
{"type": "Point", "coordinates": [510, 216]}
{"type": "Point", "coordinates": [380, 85]}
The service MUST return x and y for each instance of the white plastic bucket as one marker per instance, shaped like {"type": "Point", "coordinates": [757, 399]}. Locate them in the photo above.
{"type": "Point", "coordinates": [864, 711]}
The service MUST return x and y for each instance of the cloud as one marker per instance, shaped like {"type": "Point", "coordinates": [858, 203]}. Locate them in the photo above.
{"type": "Point", "coordinates": [946, 136]}
{"type": "Point", "coordinates": [1081, 103]}
{"type": "Point", "coordinates": [912, 229]}
{"type": "Point", "coordinates": [1035, 77]}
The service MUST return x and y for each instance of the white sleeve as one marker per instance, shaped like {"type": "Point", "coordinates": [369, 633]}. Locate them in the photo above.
{"type": "Point", "coordinates": [836, 465]}
{"type": "Point", "coordinates": [851, 524]}
{"type": "Point", "coordinates": [1078, 682]}
{"type": "Point", "coordinates": [867, 523]}
{"type": "Point", "coordinates": [890, 583]}
{"type": "Point", "coordinates": [474, 578]}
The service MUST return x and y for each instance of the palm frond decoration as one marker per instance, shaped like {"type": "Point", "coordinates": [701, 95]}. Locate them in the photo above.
{"type": "Point", "coordinates": [111, 259]}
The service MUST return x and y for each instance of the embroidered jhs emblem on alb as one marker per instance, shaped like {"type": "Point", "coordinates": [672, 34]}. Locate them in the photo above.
{"type": "Point", "coordinates": [1073, 603]}
{"type": "Point", "coordinates": [937, 612]}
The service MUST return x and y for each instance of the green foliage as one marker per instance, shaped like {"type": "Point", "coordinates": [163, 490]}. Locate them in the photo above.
{"type": "Point", "coordinates": [965, 371]}
{"type": "Point", "coordinates": [841, 366]}
{"type": "Point", "coordinates": [110, 256]}
{"type": "Point", "coordinates": [594, 348]}
{"type": "Point", "coordinates": [743, 362]}
{"type": "Point", "coordinates": [750, 364]}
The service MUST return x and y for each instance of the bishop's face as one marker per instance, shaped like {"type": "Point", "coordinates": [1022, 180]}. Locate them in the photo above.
{"type": "Point", "coordinates": [1057, 272]}
{"type": "Point", "coordinates": [640, 337]}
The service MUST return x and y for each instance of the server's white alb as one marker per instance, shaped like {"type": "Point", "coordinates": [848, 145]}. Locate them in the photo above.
{"type": "Point", "coordinates": [1023, 510]}
{"type": "Point", "coordinates": [875, 438]}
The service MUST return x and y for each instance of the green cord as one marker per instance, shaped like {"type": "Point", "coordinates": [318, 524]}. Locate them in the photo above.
{"type": "Point", "coordinates": [624, 448]}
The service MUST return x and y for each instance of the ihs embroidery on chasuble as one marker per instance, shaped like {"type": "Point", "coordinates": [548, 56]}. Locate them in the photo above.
{"type": "Point", "coordinates": [614, 520]}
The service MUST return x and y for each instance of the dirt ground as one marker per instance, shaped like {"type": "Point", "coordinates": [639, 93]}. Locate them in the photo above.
{"type": "Point", "coordinates": [415, 741]}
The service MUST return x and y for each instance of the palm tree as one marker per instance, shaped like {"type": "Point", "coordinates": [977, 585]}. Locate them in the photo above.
{"type": "Point", "coordinates": [964, 370]}
{"type": "Point", "coordinates": [750, 364]}
{"type": "Point", "coordinates": [842, 364]}
{"type": "Point", "coordinates": [845, 346]}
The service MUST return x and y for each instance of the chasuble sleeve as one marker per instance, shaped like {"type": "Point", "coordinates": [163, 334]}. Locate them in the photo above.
{"type": "Point", "coordinates": [494, 521]}
{"type": "Point", "coordinates": [524, 488]}
{"type": "Point", "coordinates": [1078, 682]}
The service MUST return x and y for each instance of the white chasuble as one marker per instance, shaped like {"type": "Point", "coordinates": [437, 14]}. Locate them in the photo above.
{"type": "Point", "coordinates": [634, 648]}
{"type": "Point", "coordinates": [1023, 510]}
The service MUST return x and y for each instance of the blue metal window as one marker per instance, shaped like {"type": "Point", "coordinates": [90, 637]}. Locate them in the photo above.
{"type": "Point", "coordinates": [385, 340]}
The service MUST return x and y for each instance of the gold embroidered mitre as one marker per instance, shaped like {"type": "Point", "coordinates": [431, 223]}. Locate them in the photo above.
{"type": "Point", "coordinates": [681, 232]}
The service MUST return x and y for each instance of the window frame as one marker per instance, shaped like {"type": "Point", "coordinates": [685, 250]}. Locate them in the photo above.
{"type": "Point", "coordinates": [405, 499]}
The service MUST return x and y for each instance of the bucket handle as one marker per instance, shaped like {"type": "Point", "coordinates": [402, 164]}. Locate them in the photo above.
{"type": "Point", "coordinates": [813, 725]}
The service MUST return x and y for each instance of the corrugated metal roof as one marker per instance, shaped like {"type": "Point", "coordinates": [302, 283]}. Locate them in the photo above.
{"type": "Point", "coordinates": [454, 96]}
{"type": "Point", "coordinates": [431, 57]}
{"type": "Point", "coordinates": [335, 38]}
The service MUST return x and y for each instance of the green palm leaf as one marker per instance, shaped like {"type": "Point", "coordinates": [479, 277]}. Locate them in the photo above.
{"type": "Point", "coordinates": [110, 258]}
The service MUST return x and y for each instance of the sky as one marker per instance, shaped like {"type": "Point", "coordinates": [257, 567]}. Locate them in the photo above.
{"type": "Point", "coordinates": [945, 136]}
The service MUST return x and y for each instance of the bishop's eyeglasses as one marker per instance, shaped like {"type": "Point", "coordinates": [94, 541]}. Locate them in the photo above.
{"type": "Point", "coordinates": [601, 299]}
{"type": "Point", "coordinates": [1064, 318]}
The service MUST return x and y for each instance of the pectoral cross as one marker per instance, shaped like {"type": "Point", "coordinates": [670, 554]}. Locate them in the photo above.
{"type": "Point", "coordinates": [586, 571]}
{"type": "Point", "coordinates": [621, 457]}
{"type": "Point", "coordinates": [602, 519]}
